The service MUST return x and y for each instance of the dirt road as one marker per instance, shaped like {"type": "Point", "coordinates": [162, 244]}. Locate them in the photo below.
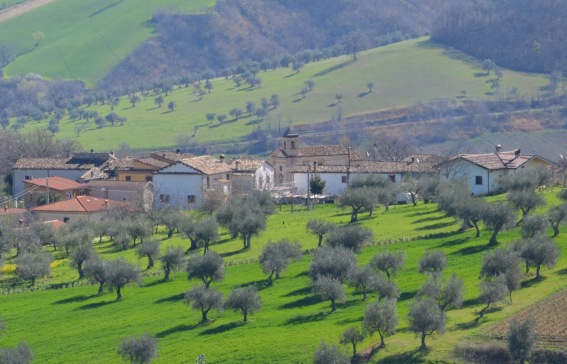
{"type": "Point", "coordinates": [17, 10]}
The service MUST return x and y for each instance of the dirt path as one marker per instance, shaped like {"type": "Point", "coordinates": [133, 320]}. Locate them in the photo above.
{"type": "Point", "coordinates": [17, 10]}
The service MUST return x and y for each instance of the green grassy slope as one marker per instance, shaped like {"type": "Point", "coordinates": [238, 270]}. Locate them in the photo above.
{"type": "Point", "coordinates": [83, 39]}
{"type": "Point", "coordinates": [403, 74]}
{"type": "Point", "coordinates": [73, 325]}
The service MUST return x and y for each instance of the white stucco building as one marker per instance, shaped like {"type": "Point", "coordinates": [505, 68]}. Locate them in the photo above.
{"type": "Point", "coordinates": [483, 171]}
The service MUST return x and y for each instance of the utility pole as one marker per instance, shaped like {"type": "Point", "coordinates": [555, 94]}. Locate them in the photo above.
{"type": "Point", "coordinates": [308, 187]}
{"type": "Point", "coordinates": [47, 186]}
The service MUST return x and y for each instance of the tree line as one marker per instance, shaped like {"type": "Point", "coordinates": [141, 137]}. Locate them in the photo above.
{"type": "Point", "coordinates": [518, 34]}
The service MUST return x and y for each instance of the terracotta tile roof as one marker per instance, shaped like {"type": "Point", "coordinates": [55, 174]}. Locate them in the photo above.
{"type": "Point", "coordinates": [56, 183]}
{"type": "Point", "coordinates": [10, 211]}
{"type": "Point", "coordinates": [313, 151]}
{"type": "Point", "coordinates": [492, 161]}
{"type": "Point", "coordinates": [155, 162]}
{"type": "Point", "coordinates": [207, 164]}
{"type": "Point", "coordinates": [124, 163]}
{"type": "Point", "coordinates": [371, 167]}
{"type": "Point", "coordinates": [94, 174]}
{"type": "Point", "coordinates": [426, 158]}
{"type": "Point", "coordinates": [171, 157]}
{"type": "Point", "coordinates": [246, 165]}
{"type": "Point", "coordinates": [79, 204]}
{"type": "Point", "coordinates": [82, 161]}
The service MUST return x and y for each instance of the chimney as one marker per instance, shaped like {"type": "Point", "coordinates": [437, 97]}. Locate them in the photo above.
{"type": "Point", "coordinates": [105, 202]}
{"type": "Point", "coordinates": [221, 158]}
{"type": "Point", "coordinates": [498, 148]}
{"type": "Point", "coordinates": [413, 159]}
{"type": "Point", "coordinates": [111, 153]}
{"type": "Point", "coordinates": [517, 152]}
{"type": "Point", "coordinates": [237, 163]}
{"type": "Point", "coordinates": [178, 151]}
{"type": "Point", "coordinates": [315, 166]}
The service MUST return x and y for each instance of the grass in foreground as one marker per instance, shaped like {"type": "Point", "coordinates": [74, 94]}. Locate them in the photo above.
{"type": "Point", "coordinates": [73, 325]}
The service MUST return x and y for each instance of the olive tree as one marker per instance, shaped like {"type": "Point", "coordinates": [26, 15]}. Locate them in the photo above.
{"type": "Point", "coordinates": [352, 237]}
{"type": "Point", "coordinates": [244, 299]}
{"type": "Point", "coordinates": [381, 317]}
{"type": "Point", "coordinates": [150, 250]}
{"type": "Point", "coordinates": [208, 268]}
{"type": "Point", "coordinates": [521, 339]}
{"type": "Point", "coordinates": [119, 273]}
{"type": "Point", "coordinates": [95, 271]}
{"type": "Point", "coordinates": [445, 293]}
{"type": "Point", "coordinates": [275, 257]}
{"type": "Point", "coordinates": [330, 354]}
{"type": "Point", "coordinates": [425, 318]}
{"type": "Point", "coordinates": [206, 231]}
{"type": "Point", "coordinates": [491, 292]}
{"type": "Point", "coordinates": [505, 263]}
{"type": "Point", "coordinates": [31, 266]}
{"type": "Point", "coordinates": [21, 354]}
{"type": "Point", "coordinates": [359, 200]}
{"type": "Point", "coordinates": [172, 261]}
{"type": "Point", "coordinates": [389, 262]}
{"type": "Point", "coordinates": [352, 335]}
{"type": "Point", "coordinates": [433, 262]}
{"type": "Point", "coordinates": [80, 255]}
{"type": "Point", "coordinates": [138, 350]}
{"type": "Point", "coordinates": [497, 217]}
{"type": "Point", "coordinates": [525, 200]}
{"type": "Point", "coordinates": [533, 225]}
{"type": "Point", "coordinates": [319, 227]}
{"type": "Point", "coordinates": [557, 216]}
{"type": "Point", "coordinates": [332, 262]}
{"type": "Point", "coordinates": [364, 279]}
{"type": "Point", "coordinates": [331, 289]}
{"type": "Point", "coordinates": [387, 289]}
{"type": "Point", "coordinates": [204, 299]}
{"type": "Point", "coordinates": [541, 251]}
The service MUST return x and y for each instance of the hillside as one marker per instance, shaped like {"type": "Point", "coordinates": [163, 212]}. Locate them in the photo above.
{"type": "Point", "coordinates": [292, 321]}
{"type": "Point", "coordinates": [82, 39]}
{"type": "Point", "coordinates": [518, 34]}
{"type": "Point", "coordinates": [411, 72]}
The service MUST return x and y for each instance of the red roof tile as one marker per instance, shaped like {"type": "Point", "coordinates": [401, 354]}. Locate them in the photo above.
{"type": "Point", "coordinates": [80, 204]}
{"type": "Point", "coordinates": [56, 183]}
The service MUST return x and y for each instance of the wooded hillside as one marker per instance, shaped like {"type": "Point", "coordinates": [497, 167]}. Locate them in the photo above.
{"type": "Point", "coordinates": [519, 34]}
{"type": "Point", "coordinates": [239, 31]}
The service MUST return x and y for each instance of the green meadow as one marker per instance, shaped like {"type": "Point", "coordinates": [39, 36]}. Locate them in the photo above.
{"type": "Point", "coordinates": [83, 39]}
{"type": "Point", "coordinates": [75, 325]}
{"type": "Point", "coordinates": [403, 74]}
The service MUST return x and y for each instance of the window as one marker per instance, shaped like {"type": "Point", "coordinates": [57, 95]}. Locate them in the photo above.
{"type": "Point", "coordinates": [392, 177]}
{"type": "Point", "coordinates": [27, 178]}
{"type": "Point", "coordinates": [191, 199]}
{"type": "Point", "coordinates": [128, 178]}
{"type": "Point", "coordinates": [228, 176]}
{"type": "Point", "coordinates": [284, 145]}
{"type": "Point", "coordinates": [208, 182]}
{"type": "Point", "coordinates": [164, 198]}
{"type": "Point", "coordinates": [149, 178]}
{"type": "Point", "coordinates": [81, 192]}
{"type": "Point", "coordinates": [66, 219]}
{"type": "Point", "coordinates": [281, 168]}
{"type": "Point", "coordinates": [478, 180]}
{"type": "Point", "coordinates": [344, 179]}
{"type": "Point", "coordinates": [292, 144]}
